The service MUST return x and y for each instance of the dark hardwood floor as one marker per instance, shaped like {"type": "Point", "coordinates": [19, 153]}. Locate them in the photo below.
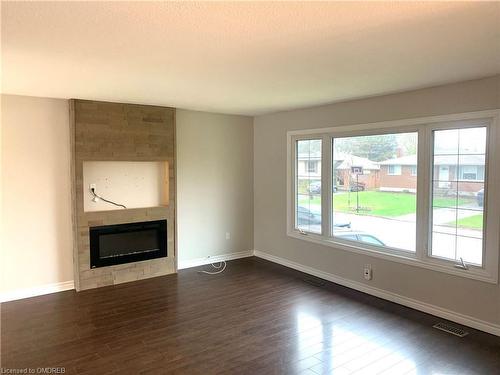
{"type": "Point", "coordinates": [256, 318]}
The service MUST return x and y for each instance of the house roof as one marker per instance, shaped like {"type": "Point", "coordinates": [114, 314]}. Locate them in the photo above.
{"type": "Point", "coordinates": [356, 161]}
{"type": "Point", "coordinates": [404, 160]}
{"type": "Point", "coordinates": [310, 154]}
{"type": "Point", "coordinates": [438, 160]}
{"type": "Point", "coordinates": [316, 154]}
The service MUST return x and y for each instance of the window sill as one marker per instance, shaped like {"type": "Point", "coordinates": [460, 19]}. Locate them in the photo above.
{"type": "Point", "coordinates": [408, 259]}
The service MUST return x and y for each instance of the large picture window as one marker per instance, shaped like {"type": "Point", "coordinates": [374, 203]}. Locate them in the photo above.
{"type": "Point", "coordinates": [374, 201]}
{"type": "Point", "coordinates": [414, 192]}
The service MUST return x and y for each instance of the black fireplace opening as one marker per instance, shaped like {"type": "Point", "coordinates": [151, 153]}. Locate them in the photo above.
{"type": "Point", "coordinates": [126, 243]}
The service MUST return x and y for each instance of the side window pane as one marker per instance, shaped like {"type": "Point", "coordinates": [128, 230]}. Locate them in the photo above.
{"type": "Point", "coordinates": [458, 194]}
{"type": "Point", "coordinates": [374, 189]}
{"type": "Point", "coordinates": [308, 185]}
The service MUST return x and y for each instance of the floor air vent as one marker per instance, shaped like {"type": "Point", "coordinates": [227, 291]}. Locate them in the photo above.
{"type": "Point", "coordinates": [457, 331]}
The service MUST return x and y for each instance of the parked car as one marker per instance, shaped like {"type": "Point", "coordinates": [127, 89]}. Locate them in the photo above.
{"type": "Point", "coordinates": [360, 237]}
{"type": "Point", "coordinates": [360, 186]}
{"type": "Point", "coordinates": [315, 188]}
{"type": "Point", "coordinates": [307, 217]}
{"type": "Point", "coordinates": [341, 221]}
{"type": "Point", "coordinates": [480, 197]}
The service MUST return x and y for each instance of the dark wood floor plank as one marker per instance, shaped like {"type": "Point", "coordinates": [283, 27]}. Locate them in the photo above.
{"type": "Point", "coordinates": [255, 318]}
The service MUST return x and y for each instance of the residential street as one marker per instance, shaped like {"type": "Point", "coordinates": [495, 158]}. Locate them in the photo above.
{"type": "Point", "coordinates": [400, 232]}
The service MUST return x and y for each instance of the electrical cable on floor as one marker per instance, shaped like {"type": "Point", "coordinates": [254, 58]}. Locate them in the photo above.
{"type": "Point", "coordinates": [220, 268]}
{"type": "Point", "coordinates": [98, 197]}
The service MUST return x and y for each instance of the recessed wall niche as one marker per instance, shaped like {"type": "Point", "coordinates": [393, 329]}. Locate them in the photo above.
{"type": "Point", "coordinates": [124, 149]}
{"type": "Point", "coordinates": [135, 184]}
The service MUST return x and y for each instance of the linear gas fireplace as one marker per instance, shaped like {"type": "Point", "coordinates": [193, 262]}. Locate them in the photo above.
{"type": "Point", "coordinates": [126, 243]}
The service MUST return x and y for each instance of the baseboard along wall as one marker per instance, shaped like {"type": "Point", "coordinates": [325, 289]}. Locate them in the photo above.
{"type": "Point", "coordinates": [466, 320]}
{"type": "Point", "coordinates": [39, 290]}
{"type": "Point", "coordinates": [453, 316]}
{"type": "Point", "coordinates": [183, 264]}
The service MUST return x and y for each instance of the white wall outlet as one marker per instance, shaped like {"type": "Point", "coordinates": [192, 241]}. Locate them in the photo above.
{"type": "Point", "coordinates": [228, 236]}
{"type": "Point", "coordinates": [367, 272]}
{"type": "Point", "coordinates": [92, 186]}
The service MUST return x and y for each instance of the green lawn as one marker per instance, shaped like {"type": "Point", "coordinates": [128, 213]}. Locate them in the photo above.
{"type": "Point", "coordinates": [471, 222]}
{"type": "Point", "coordinates": [378, 203]}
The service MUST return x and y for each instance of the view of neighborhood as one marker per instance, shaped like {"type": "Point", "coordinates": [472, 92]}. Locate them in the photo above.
{"type": "Point", "coordinates": [374, 191]}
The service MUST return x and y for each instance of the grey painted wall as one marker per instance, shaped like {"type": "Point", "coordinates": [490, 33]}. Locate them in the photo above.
{"type": "Point", "coordinates": [215, 184]}
{"type": "Point", "coordinates": [474, 298]}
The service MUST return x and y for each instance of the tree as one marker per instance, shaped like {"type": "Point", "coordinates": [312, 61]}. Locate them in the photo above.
{"type": "Point", "coordinates": [373, 147]}
{"type": "Point", "coordinates": [408, 143]}
{"type": "Point", "coordinates": [309, 147]}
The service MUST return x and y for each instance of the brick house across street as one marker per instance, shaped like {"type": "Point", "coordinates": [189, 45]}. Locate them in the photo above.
{"type": "Point", "coordinates": [345, 179]}
{"type": "Point", "coordinates": [464, 173]}
{"type": "Point", "coordinates": [452, 173]}
{"type": "Point", "coordinates": [399, 174]}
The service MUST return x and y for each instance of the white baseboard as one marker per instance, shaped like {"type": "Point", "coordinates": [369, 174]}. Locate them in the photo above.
{"type": "Point", "coordinates": [183, 264]}
{"type": "Point", "coordinates": [36, 291]}
{"type": "Point", "coordinates": [67, 285]}
{"type": "Point", "coordinates": [466, 320]}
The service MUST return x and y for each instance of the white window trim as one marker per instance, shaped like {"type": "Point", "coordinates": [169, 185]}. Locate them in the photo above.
{"type": "Point", "coordinates": [425, 125]}
{"type": "Point", "coordinates": [291, 189]}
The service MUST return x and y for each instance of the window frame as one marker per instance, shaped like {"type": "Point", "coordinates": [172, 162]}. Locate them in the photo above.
{"type": "Point", "coordinates": [461, 174]}
{"type": "Point", "coordinates": [341, 133]}
{"type": "Point", "coordinates": [400, 170]}
{"type": "Point", "coordinates": [314, 163]}
{"type": "Point", "coordinates": [462, 125]}
{"type": "Point", "coordinates": [293, 150]}
{"type": "Point", "coordinates": [424, 126]}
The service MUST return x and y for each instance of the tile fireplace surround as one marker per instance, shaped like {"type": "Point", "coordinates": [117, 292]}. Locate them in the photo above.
{"type": "Point", "coordinates": [102, 131]}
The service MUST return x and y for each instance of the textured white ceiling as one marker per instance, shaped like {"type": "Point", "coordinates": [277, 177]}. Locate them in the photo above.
{"type": "Point", "coordinates": [246, 58]}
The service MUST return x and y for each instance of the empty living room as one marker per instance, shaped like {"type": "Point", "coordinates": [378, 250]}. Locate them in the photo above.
{"type": "Point", "coordinates": [250, 187]}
